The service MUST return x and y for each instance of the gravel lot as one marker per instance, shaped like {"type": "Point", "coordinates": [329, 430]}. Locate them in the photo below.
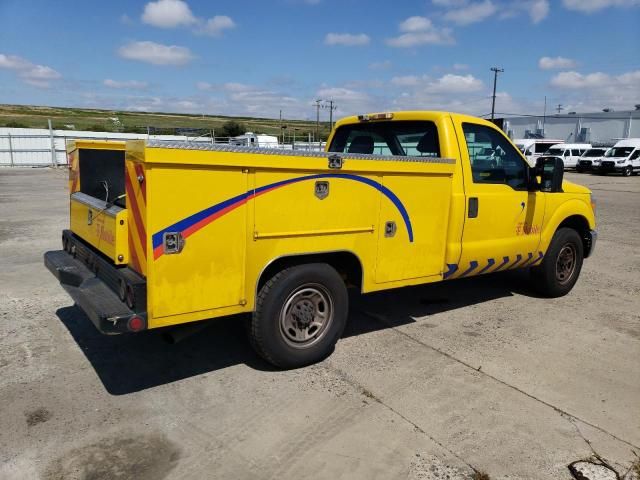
{"type": "Point", "coordinates": [429, 382]}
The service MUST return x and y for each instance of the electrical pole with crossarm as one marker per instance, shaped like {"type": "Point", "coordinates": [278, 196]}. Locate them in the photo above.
{"type": "Point", "coordinates": [495, 70]}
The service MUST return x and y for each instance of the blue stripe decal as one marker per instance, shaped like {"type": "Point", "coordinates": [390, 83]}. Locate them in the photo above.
{"type": "Point", "coordinates": [505, 260]}
{"type": "Point", "coordinates": [491, 262]}
{"type": "Point", "coordinates": [472, 266]}
{"type": "Point", "coordinates": [527, 260]}
{"type": "Point", "coordinates": [453, 268]}
{"type": "Point", "coordinates": [202, 215]}
{"type": "Point", "coordinates": [518, 258]}
{"type": "Point", "coordinates": [540, 255]}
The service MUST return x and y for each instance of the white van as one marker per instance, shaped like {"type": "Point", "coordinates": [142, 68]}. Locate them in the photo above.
{"type": "Point", "coordinates": [590, 160]}
{"type": "Point", "coordinates": [533, 148]}
{"type": "Point", "coordinates": [623, 158]}
{"type": "Point", "coordinates": [568, 152]}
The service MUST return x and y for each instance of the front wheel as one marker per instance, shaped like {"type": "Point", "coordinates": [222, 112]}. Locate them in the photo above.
{"type": "Point", "coordinates": [560, 268]}
{"type": "Point", "coordinates": [628, 171]}
{"type": "Point", "coordinates": [300, 314]}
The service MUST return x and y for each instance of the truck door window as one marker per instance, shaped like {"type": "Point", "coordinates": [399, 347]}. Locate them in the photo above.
{"type": "Point", "coordinates": [505, 165]}
{"type": "Point", "coordinates": [388, 138]}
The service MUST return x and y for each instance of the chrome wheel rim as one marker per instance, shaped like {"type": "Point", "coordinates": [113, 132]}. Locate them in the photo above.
{"type": "Point", "coordinates": [566, 264]}
{"type": "Point", "coordinates": [306, 316]}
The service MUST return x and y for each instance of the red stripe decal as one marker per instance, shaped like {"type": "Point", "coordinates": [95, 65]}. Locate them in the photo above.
{"type": "Point", "coordinates": [136, 215]}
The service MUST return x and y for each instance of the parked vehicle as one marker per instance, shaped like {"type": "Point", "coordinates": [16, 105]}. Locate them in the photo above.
{"type": "Point", "coordinates": [182, 232]}
{"type": "Point", "coordinates": [590, 160]}
{"type": "Point", "coordinates": [569, 153]}
{"type": "Point", "coordinates": [532, 148]}
{"type": "Point", "coordinates": [257, 140]}
{"type": "Point", "coordinates": [623, 158]}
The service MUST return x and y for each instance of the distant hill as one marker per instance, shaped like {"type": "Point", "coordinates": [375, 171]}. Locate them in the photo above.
{"type": "Point", "coordinates": [138, 122]}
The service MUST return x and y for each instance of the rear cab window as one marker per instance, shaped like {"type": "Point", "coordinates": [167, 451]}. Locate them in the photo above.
{"type": "Point", "coordinates": [398, 138]}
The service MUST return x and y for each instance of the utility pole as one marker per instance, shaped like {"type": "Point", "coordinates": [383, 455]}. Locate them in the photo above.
{"type": "Point", "coordinates": [559, 108]}
{"type": "Point", "coordinates": [544, 115]}
{"type": "Point", "coordinates": [281, 130]}
{"type": "Point", "coordinates": [495, 71]}
{"type": "Point", "coordinates": [331, 108]}
{"type": "Point", "coordinates": [318, 118]}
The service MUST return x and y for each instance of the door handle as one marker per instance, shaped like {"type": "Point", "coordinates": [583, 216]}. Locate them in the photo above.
{"type": "Point", "coordinates": [473, 207]}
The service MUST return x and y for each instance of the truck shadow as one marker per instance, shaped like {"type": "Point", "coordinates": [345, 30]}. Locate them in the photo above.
{"type": "Point", "coordinates": [131, 363]}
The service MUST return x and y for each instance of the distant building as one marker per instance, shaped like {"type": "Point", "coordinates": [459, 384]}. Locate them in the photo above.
{"type": "Point", "coordinates": [595, 128]}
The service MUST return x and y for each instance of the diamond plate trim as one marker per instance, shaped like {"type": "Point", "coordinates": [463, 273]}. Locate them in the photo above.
{"type": "Point", "coordinates": [290, 153]}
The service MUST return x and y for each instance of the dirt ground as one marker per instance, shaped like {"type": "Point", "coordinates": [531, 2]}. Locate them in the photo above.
{"type": "Point", "coordinates": [430, 382]}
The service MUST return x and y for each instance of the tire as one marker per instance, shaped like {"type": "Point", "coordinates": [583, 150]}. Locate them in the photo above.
{"type": "Point", "coordinates": [300, 314]}
{"type": "Point", "coordinates": [627, 172]}
{"type": "Point", "coordinates": [560, 267]}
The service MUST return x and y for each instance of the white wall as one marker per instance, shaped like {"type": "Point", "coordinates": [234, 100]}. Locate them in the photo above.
{"type": "Point", "coordinates": [32, 146]}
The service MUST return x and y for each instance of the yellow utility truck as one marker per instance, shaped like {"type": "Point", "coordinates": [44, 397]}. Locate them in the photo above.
{"type": "Point", "coordinates": [162, 234]}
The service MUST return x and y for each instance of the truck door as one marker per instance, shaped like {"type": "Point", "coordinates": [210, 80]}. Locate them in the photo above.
{"type": "Point", "coordinates": [503, 219]}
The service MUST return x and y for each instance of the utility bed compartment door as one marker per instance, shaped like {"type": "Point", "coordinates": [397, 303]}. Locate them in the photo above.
{"type": "Point", "coordinates": [412, 226]}
{"type": "Point", "coordinates": [208, 208]}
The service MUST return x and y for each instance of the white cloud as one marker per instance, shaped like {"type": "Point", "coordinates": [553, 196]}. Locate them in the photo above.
{"type": "Point", "coordinates": [177, 13]}
{"type": "Point", "coordinates": [126, 84]}
{"type": "Point", "coordinates": [449, 83]}
{"type": "Point", "coordinates": [597, 90]}
{"type": "Point", "coordinates": [415, 24]}
{"type": "Point", "coordinates": [471, 13]}
{"type": "Point", "coordinates": [465, 12]}
{"type": "Point", "coordinates": [555, 63]}
{"type": "Point", "coordinates": [420, 31]}
{"type": "Point", "coordinates": [32, 74]}
{"type": "Point", "coordinates": [156, 53]}
{"type": "Point", "coordinates": [577, 80]}
{"type": "Point", "coordinates": [589, 6]}
{"type": "Point", "coordinates": [168, 14]}
{"type": "Point", "coordinates": [216, 26]}
{"type": "Point", "coordinates": [538, 10]}
{"type": "Point", "coordinates": [347, 39]}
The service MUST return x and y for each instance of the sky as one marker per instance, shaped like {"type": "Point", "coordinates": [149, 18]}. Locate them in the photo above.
{"type": "Point", "coordinates": [255, 58]}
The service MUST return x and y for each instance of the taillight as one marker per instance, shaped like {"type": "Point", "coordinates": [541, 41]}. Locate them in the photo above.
{"type": "Point", "coordinates": [136, 323]}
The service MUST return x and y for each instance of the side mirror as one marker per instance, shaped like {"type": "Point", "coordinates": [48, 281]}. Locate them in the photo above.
{"type": "Point", "coordinates": [551, 171]}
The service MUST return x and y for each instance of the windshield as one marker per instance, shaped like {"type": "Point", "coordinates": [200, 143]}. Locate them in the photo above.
{"type": "Point", "coordinates": [619, 152]}
{"type": "Point", "coordinates": [388, 138]}
{"type": "Point", "coordinates": [555, 151]}
{"type": "Point", "coordinates": [594, 152]}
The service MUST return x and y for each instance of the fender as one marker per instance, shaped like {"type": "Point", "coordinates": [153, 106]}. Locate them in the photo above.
{"type": "Point", "coordinates": [569, 208]}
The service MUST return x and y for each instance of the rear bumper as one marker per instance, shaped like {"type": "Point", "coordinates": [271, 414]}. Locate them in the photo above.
{"type": "Point", "coordinates": [93, 288]}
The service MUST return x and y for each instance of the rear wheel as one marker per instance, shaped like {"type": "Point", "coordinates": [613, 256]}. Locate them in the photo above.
{"type": "Point", "coordinates": [560, 267]}
{"type": "Point", "coordinates": [300, 314]}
